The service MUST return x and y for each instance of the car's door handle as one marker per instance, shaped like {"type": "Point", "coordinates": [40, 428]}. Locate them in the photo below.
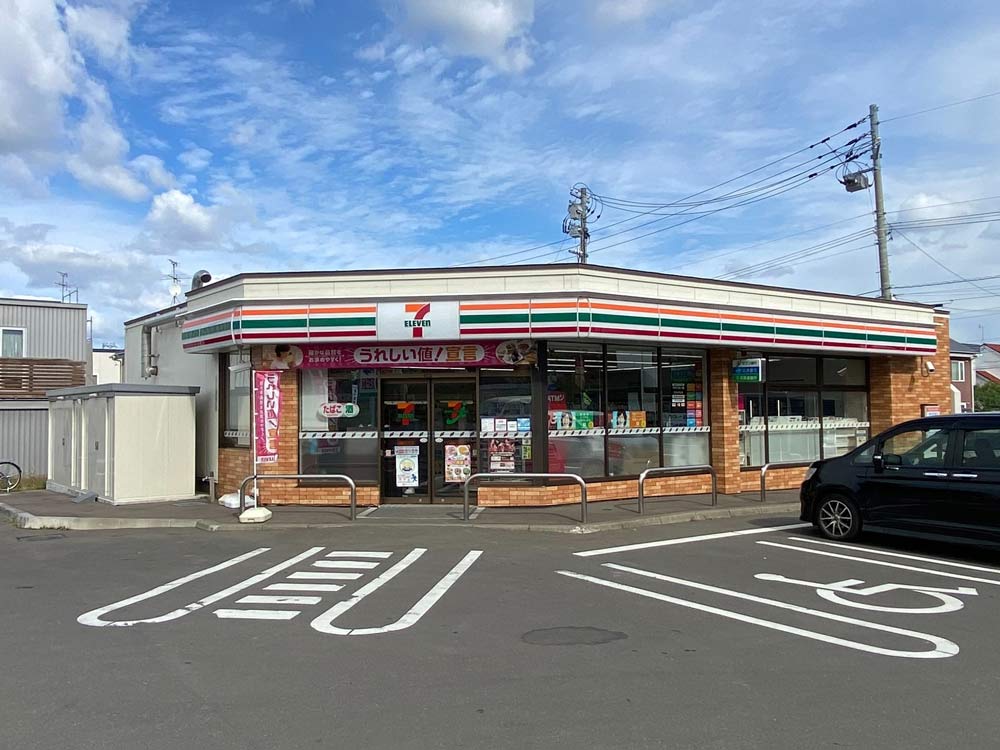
{"type": "Point", "coordinates": [935, 474]}
{"type": "Point", "coordinates": [964, 476]}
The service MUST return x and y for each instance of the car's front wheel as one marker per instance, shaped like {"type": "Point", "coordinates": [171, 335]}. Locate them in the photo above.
{"type": "Point", "coordinates": [838, 518]}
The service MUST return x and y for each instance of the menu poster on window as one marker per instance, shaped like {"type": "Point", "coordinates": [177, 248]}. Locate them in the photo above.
{"type": "Point", "coordinates": [524, 424]}
{"type": "Point", "coordinates": [407, 465]}
{"type": "Point", "coordinates": [501, 453]}
{"type": "Point", "coordinates": [457, 463]}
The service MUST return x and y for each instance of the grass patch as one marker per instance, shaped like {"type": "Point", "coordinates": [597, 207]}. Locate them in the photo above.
{"type": "Point", "coordinates": [30, 482]}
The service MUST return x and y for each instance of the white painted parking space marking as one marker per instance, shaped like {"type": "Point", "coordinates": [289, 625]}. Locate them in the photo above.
{"type": "Point", "coordinates": [359, 554]}
{"type": "Point", "coordinates": [324, 623]}
{"type": "Point", "coordinates": [687, 540]}
{"type": "Point", "coordinates": [94, 618]}
{"type": "Point", "coordinates": [302, 575]}
{"type": "Point", "coordinates": [900, 555]}
{"type": "Point", "coordinates": [304, 587]}
{"type": "Point", "coordinates": [278, 599]}
{"type": "Point", "coordinates": [346, 564]}
{"type": "Point", "coordinates": [883, 563]}
{"type": "Point", "coordinates": [942, 648]}
{"type": "Point", "coordinates": [832, 592]}
{"type": "Point", "coordinates": [256, 614]}
{"type": "Point", "coordinates": [367, 512]}
{"type": "Point", "coordinates": [477, 512]}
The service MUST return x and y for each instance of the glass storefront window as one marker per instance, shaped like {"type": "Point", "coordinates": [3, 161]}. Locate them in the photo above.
{"type": "Point", "coordinates": [753, 424]}
{"type": "Point", "coordinates": [338, 413]}
{"type": "Point", "coordinates": [804, 420]}
{"type": "Point", "coordinates": [632, 416]}
{"type": "Point", "coordinates": [235, 379]}
{"type": "Point", "coordinates": [505, 408]}
{"type": "Point", "coordinates": [576, 409]}
{"type": "Point", "coordinates": [684, 405]}
{"type": "Point", "coordinates": [843, 371]}
{"type": "Point", "coordinates": [845, 421]}
{"type": "Point", "coordinates": [792, 426]}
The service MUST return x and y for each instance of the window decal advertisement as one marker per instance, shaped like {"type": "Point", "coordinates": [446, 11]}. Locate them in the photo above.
{"type": "Point", "coordinates": [267, 415]}
{"type": "Point", "coordinates": [418, 354]}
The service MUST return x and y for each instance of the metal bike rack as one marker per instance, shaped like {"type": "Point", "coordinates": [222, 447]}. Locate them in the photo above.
{"type": "Point", "coordinates": [311, 477]}
{"type": "Point", "coordinates": [763, 476]}
{"type": "Point", "coordinates": [575, 477]}
{"type": "Point", "coordinates": [665, 471]}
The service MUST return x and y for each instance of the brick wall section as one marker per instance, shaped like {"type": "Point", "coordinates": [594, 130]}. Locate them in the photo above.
{"type": "Point", "coordinates": [724, 419]}
{"type": "Point", "coordinates": [623, 489]}
{"type": "Point", "coordinates": [777, 479]}
{"type": "Point", "coordinates": [900, 385]}
{"type": "Point", "coordinates": [234, 467]}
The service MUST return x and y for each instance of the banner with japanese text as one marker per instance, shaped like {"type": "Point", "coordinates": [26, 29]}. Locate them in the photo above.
{"type": "Point", "coordinates": [267, 414]}
{"type": "Point", "coordinates": [374, 356]}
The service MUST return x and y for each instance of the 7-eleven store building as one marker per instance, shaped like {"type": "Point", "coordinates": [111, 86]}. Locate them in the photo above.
{"type": "Point", "coordinates": [409, 381]}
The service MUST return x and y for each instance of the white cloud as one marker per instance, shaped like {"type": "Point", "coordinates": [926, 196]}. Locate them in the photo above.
{"type": "Point", "coordinates": [494, 30]}
{"type": "Point", "coordinates": [195, 158]}
{"type": "Point", "coordinates": [100, 30]}
{"type": "Point", "coordinates": [178, 217]}
{"type": "Point", "coordinates": [152, 167]}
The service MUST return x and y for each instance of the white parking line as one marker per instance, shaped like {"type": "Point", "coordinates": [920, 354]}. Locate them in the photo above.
{"type": "Point", "coordinates": [310, 575]}
{"type": "Point", "coordinates": [883, 563]}
{"type": "Point", "coordinates": [94, 617]}
{"type": "Point", "coordinates": [304, 587]}
{"type": "Point", "coordinates": [687, 540]}
{"type": "Point", "coordinates": [256, 614]}
{"type": "Point", "coordinates": [900, 555]}
{"type": "Point", "coordinates": [368, 512]}
{"type": "Point", "coordinates": [943, 648]}
{"type": "Point", "coordinates": [359, 554]}
{"type": "Point", "coordinates": [477, 512]}
{"type": "Point", "coordinates": [324, 623]}
{"type": "Point", "coordinates": [264, 599]}
{"type": "Point", "coordinates": [346, 564]}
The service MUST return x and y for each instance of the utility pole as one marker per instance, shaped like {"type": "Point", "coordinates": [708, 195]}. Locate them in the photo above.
{"type": "Point", "coordinates": [880, 228]}
{"type": "Point", "coordinates": [575, 223]}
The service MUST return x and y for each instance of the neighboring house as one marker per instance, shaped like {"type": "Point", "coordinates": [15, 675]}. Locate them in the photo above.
{"type": "Point", "coordinates": [43, 346]}
{"type": "Point", "coordinates": [108, 366]}
{"type": "Point", "coordinates": [963, 375]}
{"type": "Point", "coordinates": [988, 364]}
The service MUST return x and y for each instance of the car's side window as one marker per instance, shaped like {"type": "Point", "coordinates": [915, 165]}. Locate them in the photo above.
{"type": "Point", "coordinates": [920, 447]}
{"type": "Point", "coordinates": [981, 449]}
{"type": "Point", "coordinates": [864, 458]}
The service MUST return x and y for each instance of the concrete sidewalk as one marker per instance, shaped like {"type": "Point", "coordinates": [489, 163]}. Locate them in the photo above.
{"type": "Point", "coordinates": [40, 509]}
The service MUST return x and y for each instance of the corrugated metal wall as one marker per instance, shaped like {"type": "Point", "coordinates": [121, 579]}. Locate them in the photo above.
{"type": "Point", "coordinates": [24, 437]}
{"type": "Point", "coordinates": [53, 331]}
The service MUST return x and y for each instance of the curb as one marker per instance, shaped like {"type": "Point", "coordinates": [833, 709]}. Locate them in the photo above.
{"type": "Point", "coordinates": [24, 520]}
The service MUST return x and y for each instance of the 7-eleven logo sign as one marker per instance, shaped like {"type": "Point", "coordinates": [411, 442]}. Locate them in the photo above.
{"type": "Point", "coordinates": [417, 318]}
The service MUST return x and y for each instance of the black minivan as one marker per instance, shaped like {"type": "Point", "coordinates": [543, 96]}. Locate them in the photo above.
{"type": "Point", "coordinates": [937, 474]}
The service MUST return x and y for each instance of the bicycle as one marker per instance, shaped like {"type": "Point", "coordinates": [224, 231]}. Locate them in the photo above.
{"type": "Point", "coordinates": [10, 476]}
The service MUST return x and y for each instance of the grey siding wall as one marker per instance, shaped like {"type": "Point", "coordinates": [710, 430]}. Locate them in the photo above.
{"type": "Point", "coordinates": [24, 429]}
{"type": "Point", "coordinates": [52, 330]}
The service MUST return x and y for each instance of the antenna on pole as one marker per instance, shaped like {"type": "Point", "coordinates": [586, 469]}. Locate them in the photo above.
{"type": "Point", "coordinates": [579, 210]}
{"type": "Point", "coordinates": [175, 281]}
{"type": "Point", "coordinates": [68, 293]}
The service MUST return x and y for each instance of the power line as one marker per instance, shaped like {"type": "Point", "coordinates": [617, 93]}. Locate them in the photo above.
{"type": "Point", "coordinates": [943, 106]}
{"type": "Point", "coordinates": [938, 283]}
{"type": "Point", "coordinates": [780, 260]}
{"type": "Point", "coordinates": [693, 195]}
{"type": "Point", "coordinates": [939, 263]}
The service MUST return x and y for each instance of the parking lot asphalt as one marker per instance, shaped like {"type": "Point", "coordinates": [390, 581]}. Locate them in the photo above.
{"type": "Point", "coordinates": [737, 633]}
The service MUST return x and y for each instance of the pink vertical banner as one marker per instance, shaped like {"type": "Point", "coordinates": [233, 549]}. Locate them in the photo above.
{"type": "Point", "coordinates": [267, 413]}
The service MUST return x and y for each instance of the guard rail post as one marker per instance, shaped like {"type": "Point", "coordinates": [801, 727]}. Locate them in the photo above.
{"type": "Point", "coordinates": [676, 471]}
{"type": "Point", "coordinates": [324, 477]}
{"type": "Point", "coordinates": [527, 475]}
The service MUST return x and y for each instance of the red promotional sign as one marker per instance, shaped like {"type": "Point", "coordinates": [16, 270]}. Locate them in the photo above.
{"type": "Point", "coordinates": [376, 356]}
{"type": "Point", "coordinates": [267, 414]}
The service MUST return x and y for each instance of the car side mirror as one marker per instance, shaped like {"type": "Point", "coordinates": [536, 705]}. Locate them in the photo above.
{"type": "Point", "coordinates": [881, 461]}
{"type": "Point", "coordinates": [878, 463]}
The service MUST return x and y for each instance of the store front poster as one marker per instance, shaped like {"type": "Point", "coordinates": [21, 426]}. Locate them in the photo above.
{"type": "Point", "coordinates": [407, 465]}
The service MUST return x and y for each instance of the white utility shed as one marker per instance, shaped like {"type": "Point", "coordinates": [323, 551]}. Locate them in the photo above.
{"type": "Point", "coordinates": [126, 443]}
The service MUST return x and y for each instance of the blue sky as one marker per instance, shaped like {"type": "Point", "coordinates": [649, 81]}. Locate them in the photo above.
{"type": "Point", "coordinates": [293, 135]}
